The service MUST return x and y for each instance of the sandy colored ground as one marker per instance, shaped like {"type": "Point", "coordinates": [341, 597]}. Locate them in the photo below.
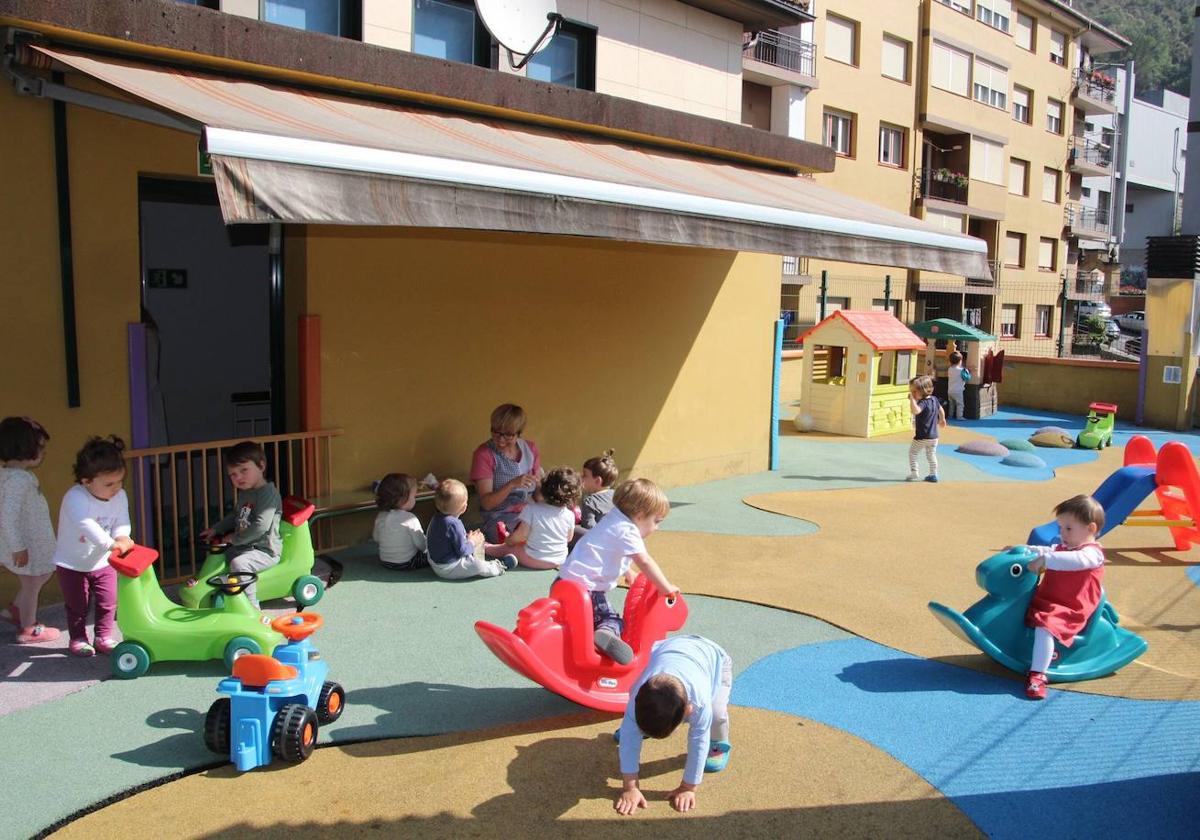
{"type": "Point", "coordinates": [550, 778]}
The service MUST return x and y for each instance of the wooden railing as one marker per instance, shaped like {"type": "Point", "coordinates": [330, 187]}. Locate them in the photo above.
{"type": "Point", "coordinates": [175, 492]}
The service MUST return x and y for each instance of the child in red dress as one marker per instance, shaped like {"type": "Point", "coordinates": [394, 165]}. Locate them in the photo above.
{"type": "Point", "coordinates": [1070, 589]}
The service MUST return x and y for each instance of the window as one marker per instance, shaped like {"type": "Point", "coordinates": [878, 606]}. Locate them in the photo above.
{"type": "Point", "coordinates": [1014, 250]}
{"type": "Point", "coordinates": [450, 29]}
{"type": "Point", "coordinates": [208, 4]}
{"type": "Point", "coordinates": [894, 58]}
{"type": "Point", "coordinates": [1051, 179]}
{"type": "Point", "coordinates": [991, 84]}
{"type": "Point", "coordinates": [1128, 208]}
{"type": "Point", "coordinates": [1018, 176]}
{"type": "Point", "coordinates": [950, 68]}
{"type": "Point", "coordinates": [1103, 202]}
{"type": "Point", "coordinates": [1026, 32]}
{"type": "Point", "coordinates": [1010, 320]}
{"type": "Point", "coordinates": [891, 145]}
{"type": "Point", "coordinates": [569, 59]}
{"type": "Point", "coordinates": [839, 132]}
{"type": "Point", "coordinates": [333, 17]}
{"type": "Point", "coordinates": [1047, 254]}
{"type": "Point", "coordinates": [841, 39]}
{"type": "Point", "coordinates": [963, 6]}
{"type": "Point", "coordinates": [1021, 97]}
{"type": "Point", "coordinates": [834, 304]}
{"type": "Point", "coordinates": [829, 365]}
{"type": "Point", "coordinates": [952, 222]}
{"type": "Point", "coordinates": [1054, 116]}
{"type": "Point", "coordinates": [987, 161]}
{"type": "Point", "coordinates": [894, 366]}
{"type": "Point", "coordinates": [1043, 319]}
{"type": "Point", "coordinates": [1058, 47]}
{"type": "Point", "coordinates": [995, 13]}
{"type": "Point", "coordinates": [1086, 192]}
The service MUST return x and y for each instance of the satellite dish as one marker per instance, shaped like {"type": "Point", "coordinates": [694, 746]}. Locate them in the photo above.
{"type": "Point", "coordinates": [523, 27]}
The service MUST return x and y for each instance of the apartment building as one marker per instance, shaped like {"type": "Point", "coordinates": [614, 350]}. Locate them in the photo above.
{"type": "Point", "coordinates": [969, 114]}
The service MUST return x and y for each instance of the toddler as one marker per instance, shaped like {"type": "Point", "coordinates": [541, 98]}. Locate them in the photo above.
{"type": "Point", "coordinates": [397, 531]}
{"type": "Point", "coordinates": [927, 417]}
{"type": "Point", "coordinates": [956, 384]}
{"type": "Point", "coordinates": [453, 553]}
{"type": "Point", "coordinates": [687, 678]}
{"type": "Point", "coordinates": [598, 477]}
{"type": "Point", "coordinates": [93, 520]}
{"type": "Point", "coordinates": [606, 552]}
{"type": "Point", "coordinates": [26, 535]}
{"type": "Point", "coordinates": [545, 525]}
{"type": "Point", "coordinates": [252, 529]}
{"type": "Point", "coordinates": [1070, 588]}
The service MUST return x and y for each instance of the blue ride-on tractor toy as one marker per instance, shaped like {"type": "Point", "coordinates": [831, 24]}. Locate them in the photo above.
{"type": "Point", "coordinates": [277, 703]}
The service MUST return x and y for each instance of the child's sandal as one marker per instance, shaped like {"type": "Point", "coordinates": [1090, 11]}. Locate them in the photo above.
{"type": "Point", "coordinates": [718, 757]}
{"type": "Point", "coordinates": [81, 648]}
{"type": "Point", "coordinates": [37, 634]}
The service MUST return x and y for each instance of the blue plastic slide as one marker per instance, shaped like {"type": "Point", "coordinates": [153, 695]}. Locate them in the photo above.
{"type": "Point", "coordinates": [1119, 495]}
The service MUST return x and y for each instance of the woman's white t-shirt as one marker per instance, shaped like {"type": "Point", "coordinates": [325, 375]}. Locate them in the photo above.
{"type": "Point", "coordinates": [87, 528]}
{"type": "Point", "coordinates": [399, 535]}
{"type": "Point", "coordinates": [550, 529]}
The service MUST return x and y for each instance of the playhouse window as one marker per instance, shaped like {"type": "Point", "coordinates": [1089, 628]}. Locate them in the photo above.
{"type": "Point", "coordinates": [893, 367]}
{"type": "Point", "coordinates": [829, 365]}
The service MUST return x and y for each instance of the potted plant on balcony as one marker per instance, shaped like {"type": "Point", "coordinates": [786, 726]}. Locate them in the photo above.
{"type": "Point", "coordinates": [949, 176]}
{"type": "Point", "coordinates": [1101, 80]}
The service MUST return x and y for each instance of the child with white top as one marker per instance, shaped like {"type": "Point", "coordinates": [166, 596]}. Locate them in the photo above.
{"type": "Point", "coordinates": [956, 384]}
{"type": "Point", "coordinates": [545, 525]}
{"type": "Point", "coordinates": [26, 535]}
{"type": "Point", "coordinates": [93, 520]}
{"type": "Point", "coordinates": [607, 551]}
{"type": "Point", "coordinates": [397, 531]}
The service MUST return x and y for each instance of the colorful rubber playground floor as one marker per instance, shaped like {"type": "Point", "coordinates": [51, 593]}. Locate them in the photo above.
{"type": "Point", "coordinates": [855, 713]}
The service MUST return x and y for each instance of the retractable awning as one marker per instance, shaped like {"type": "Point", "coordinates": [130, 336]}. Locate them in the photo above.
{"type": "Point", "coordinates": [288, 155]}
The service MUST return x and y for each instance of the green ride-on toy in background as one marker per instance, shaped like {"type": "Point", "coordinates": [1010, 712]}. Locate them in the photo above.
{"type": "Point", "coordinates": [156, 629]}
{"type": "Point", "coordinates": [292, 575]}
{"type": "Point", "coordinates": [1101, 420]}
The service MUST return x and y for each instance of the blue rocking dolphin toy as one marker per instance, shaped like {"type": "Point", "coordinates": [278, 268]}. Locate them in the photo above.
{"type": "Point", "coordinates": [996, 624]}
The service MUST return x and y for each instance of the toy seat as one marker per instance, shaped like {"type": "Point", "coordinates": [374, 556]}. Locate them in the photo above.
{"type": "Point", "coordinates": [256, 670]}
{"type": "Point", "coordinates": [133, 562]}
{"type": "Point", "coordinates": [296, 511]}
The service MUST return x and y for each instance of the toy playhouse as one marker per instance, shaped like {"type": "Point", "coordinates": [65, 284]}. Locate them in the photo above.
{"type": "Point", "coordinates": [981, 397]}
{"type": "Point", "coordinates": [857, 366]}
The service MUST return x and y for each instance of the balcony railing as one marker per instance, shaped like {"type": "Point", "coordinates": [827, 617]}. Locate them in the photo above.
{"type": "Point", "coordinates": [781, 50]}
{"type": "Point", "coordinates": [1086, 150]}
{"type": "Point", "coordinates": [942, 184]}
{"type": "Point", "coordinates": [1094, 86]}
{"type": "Point", "coordinates": [1087, 218]}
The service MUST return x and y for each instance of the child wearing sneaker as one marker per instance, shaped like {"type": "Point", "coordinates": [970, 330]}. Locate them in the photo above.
{"type": "Point", "coordinates": [687, 678]}
{"type": "Point", "coordinates": [607, 551]}
{"type": "Point", "coordinates": [545, 525]}
{"type": "Point", "coordinates": [1070, 588]}
{"type": "Point", "coordinates": [93, 520]}
{"type": "Point", "coordinates": [453, 553]}
{"type": "Point", "coordinates": [928, 416]}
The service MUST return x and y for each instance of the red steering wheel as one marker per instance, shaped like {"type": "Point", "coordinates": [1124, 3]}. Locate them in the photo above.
{"type": "Point", "coordinates": [297, 626]}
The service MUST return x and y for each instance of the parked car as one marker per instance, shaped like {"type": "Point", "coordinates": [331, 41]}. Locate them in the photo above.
{"type": "Point", "coordinates": [1132, 321]}
{"type": "Point", "coordinates": [1112, 329]}
{"type": "Point", "coordinates": [1134, 347]}
{"type": "Point", "coordinates": [1093, 307]}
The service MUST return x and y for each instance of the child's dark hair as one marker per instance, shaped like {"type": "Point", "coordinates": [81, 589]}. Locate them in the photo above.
{"type": "Point", "coordinates": [561, 487]}
{"type": "Point", "coordinates": [21, 438]}
{"type": "Point", "coordinates": [247, 450]}
{"type": "Point", "coordinates": [393, 490]}
{"type": "Point", "coordinates": [659, 706]}
{"type": "Point", "coordinates": [955, 357]}
{"type": "Point", "coordinates": [1084, 508]}
{"type": "Point", "coordinates": [100, 455]}
{"type": "Point", "coordinates": [603, 467]}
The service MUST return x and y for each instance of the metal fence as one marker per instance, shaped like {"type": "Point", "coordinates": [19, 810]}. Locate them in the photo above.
{"type": "Point", "coordinates": [781, 50]}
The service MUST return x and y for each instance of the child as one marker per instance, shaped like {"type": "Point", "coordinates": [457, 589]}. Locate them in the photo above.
{"type": "Point", "coordinates": [606, 552]}
{"type": "Point", "coordinates": [687, 678]}
{"type": "Point", "coordinates": [252, 529]}
{"type": "Point", "coordinates": [26, 535]}
{"type": "Point", "coordinates": [453, 553]}
{"type": "Point", "coordinates": [1070, 589]}
{"type": "Point", "coordinates": [545, 525]}
{"type": "Point", "coordinates": [598, 477]}
{"type": "Point", "coordinates": [927, 417]}
{"type": "Point", "coordinates": [956, 384]}
{"type": "Point", "coordinates": [398, 532]}
{"type": "Point", "coordinates": [93, 520]}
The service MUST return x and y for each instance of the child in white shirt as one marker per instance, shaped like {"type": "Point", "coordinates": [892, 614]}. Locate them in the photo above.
{"type": "Point", "coordinates": [93, 520]}
{"type": "Point", "coordinates": [956, 385]}
{"type": "Point", "coordinates": [397, 531]}
{"type": "Point", "coordinates": [545, 525]}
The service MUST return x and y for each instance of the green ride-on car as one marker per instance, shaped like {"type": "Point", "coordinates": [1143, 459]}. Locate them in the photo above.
{"type": "Point", "coordinates": [1101, 420]}
{"type": "Point", "coordinates": [292, 575]}
{"type": "Point", "coordinates": [156, 629]}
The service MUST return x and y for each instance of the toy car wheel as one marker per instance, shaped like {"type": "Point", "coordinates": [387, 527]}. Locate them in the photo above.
{"type": "Point", "coordinates": [331, 702]}
{"type": "Point", "coordinates": [294, 732]}
{"type": "Point", "coordinates": [239, 646]}
{"type": "Point", "coordinates": [216, 726]}
{"type": "Point", "coordinates": [130, 660]}
{"type": "Point", "coordinates": [307, 590]}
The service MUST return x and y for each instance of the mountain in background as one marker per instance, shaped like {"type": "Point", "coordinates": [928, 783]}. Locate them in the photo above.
{"type": "Point", "coordinates": [1161, 32]}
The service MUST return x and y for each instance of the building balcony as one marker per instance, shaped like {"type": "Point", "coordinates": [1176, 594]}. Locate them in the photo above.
{"type": "Point", "coordinates": [1094, 92]}
{"type": "Point", "coordinates": [771, 56]}
{"type": "Point", "coordinates": [1088, 222]}
{"type": "Point", "coordinates": [795, 272]}
{"type": "Point", "coordinates": [1090, 158]}
{"type": "Point", "coordinates": [942, 184]}
{"type": "Point", "coordinates": [1084, 285]}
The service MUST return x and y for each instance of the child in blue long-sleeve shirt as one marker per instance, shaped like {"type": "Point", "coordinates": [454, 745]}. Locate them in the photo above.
{"type": "Point", "coordinates": [688, 677]}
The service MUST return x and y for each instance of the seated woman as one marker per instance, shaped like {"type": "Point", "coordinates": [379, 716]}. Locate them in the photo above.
{"type": "Point", "coordinates": [506, 469]}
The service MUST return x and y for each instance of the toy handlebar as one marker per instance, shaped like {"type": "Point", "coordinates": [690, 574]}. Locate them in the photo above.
{"type": "Point", "coordinates": [297, 626]}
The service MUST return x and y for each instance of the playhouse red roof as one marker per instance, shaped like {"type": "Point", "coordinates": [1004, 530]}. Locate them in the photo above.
{"type": "Point", "coordinates": [882, 330]}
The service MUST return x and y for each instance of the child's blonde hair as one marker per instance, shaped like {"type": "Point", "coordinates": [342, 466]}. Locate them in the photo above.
{"type": "Point", "coordinates": [1084, 508]}
{"type": "Point", "coordinates": [641, 497]}
{"type": "Point", "coordinates": [924, 384]}
{"type": "Point", "coordinates": [603, 467]}
{"type": "Point", "coordinates": [449, 496]}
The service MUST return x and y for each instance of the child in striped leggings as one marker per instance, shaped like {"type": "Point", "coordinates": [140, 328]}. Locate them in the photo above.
{"type": "Point", "coordinates": [928, 416]}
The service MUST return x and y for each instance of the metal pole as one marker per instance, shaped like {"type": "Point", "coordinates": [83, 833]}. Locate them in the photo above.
{"type": "Point", "coordinates": [824, 290]}
{"type": "Point", "coordinates": [1062, 318]}
{"type": "Point", "coordinates": [887, 292]}
{"type": "Point", "coordinates": [776, 376]}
